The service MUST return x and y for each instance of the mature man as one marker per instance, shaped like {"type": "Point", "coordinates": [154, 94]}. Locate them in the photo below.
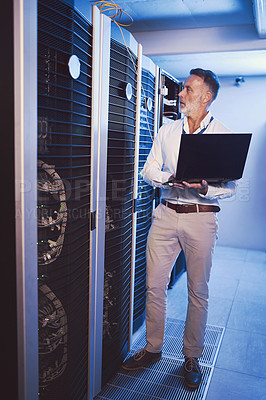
{"type": "Point", "coordinates": [185, 219]}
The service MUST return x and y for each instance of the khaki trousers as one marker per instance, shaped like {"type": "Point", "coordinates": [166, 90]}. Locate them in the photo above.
{"type": "Point", "coordinates": [170, 232]}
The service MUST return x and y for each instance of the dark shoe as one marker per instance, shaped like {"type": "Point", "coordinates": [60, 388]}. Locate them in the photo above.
{"type": "Point", "coordinates": [141, 359]}
{"type": "Point", "coordinates": [192, 373]}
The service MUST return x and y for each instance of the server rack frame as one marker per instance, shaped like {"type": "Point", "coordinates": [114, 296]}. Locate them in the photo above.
{"type": "Point", "coordinates": [102, 27]}
{"type": "Point", "coordinates": [25, 94]}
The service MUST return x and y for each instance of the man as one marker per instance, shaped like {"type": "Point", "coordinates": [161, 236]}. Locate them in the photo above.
{"type": "Point", "coordinates": [185, 219]}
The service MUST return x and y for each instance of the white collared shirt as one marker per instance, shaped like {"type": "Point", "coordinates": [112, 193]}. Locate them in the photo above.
{"type": "Point", "coordinates": [203, 125]}
{"type": "Point", "coordinates": [162, 160]}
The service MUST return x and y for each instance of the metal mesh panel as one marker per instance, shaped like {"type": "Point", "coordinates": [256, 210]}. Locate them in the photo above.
{"type": "Point", "coordinates": [164, 380]}
{"type": "Point", "coordinates": [119, 198]}
{"type": "Point", "coordinates": [173, 340]}
{"type": "Point", "coordinates": [64, 148]}
{"type": "Point", "coordinates": [145, 195]}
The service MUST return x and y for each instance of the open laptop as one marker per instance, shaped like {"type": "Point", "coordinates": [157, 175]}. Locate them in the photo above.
{"type": "Point", "coordinates": [215, 157]}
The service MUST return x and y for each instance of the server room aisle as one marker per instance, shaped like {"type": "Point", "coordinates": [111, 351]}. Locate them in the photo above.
{"type": "Point", "coordinates": [237, 303]}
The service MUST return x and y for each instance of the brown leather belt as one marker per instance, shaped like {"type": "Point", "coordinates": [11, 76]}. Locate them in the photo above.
{"type": "Point", "coordinates": [190, 208]}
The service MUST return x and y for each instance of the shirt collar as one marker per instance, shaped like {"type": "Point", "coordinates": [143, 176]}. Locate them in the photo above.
{"type": "Point", "coordinates": [204, 123]}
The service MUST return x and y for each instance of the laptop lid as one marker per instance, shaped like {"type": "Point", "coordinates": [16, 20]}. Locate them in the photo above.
{"type": "Point", "coordinates": [215, 157]}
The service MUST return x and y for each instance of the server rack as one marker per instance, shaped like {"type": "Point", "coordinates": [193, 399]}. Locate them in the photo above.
{"type": "Point", "coordinates": [146, 194]}
{"type": "Point", "coordinates": [64, 210]}
{"type": "Point", "coordinates": [119, 216]}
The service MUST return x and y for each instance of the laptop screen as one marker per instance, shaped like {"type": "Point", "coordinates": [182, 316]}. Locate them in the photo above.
{"type": "Point", "coordinates": [215, 157]}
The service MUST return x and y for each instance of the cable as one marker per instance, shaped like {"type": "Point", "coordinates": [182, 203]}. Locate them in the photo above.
{"type": "Point", "coordinates": [53, 217]}
{"type": "Point", "coordinates": [52, 332]}
{"type": "Point", "coordinates": [111, 5]}
{"type": "Point", "coordinates": [107, 6]}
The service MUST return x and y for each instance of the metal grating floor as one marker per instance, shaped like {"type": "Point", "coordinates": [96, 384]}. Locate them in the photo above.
{"type": "Point", "coordinates": [173, 341]}
{"type": "Point", "coordinates": [164, 379]}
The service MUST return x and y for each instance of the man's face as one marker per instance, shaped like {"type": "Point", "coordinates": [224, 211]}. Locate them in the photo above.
{"type": "Point", "coordinates": [191, 96]}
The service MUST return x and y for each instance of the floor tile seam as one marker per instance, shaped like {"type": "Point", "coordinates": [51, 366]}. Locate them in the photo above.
{"type": "Point", "coordinates": [218, 347]}
{"type": "Point", "coordinates": [226, 280]}
{"type": "Point", "coordinates": [231, 307]}
{"type": "Point", "coordinates": [249, 302]}
{"type": "Point", "coordinates": [245, 331]}
{"type": "Point", "coordinates": [239, 372]}
{"type": "Point", "coordinates": [253, 281]}
{"type": "Point", "coordinates": [221, 276]}
{"type": "Point", "coordinates": [252, 278]}
{"type": "Point", "coordinates": [254, 261]}
{"type": "Point", "coordinates": [217, 297]}
{"type": "Point", "coordinates": [229, 258]}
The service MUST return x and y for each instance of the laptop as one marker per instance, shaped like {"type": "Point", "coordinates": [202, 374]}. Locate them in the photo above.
{"type": "Point", "coordinates": [215, 157]}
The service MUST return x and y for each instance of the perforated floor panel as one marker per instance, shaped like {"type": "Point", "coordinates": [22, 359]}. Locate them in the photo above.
{"type": "Point", "coordinates": [164, 379]}
{"type": "Point", "coordinates": [173, 344]}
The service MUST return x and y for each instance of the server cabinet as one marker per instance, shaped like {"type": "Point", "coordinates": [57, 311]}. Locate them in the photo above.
{"type": "Point", "coordinates": [64, 199]}
{"type": "Point", "coordinates": [119, 227]}
{"type": "Point", "coordinates": [146, 194]}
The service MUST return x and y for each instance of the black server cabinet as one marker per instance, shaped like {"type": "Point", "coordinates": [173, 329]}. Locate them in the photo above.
{"type": "Point", "coordinates": [64, 169]}
{"type": "Point", "coordinates": [119, 206]}
{"type": "Point", "coordinates": [145, 199]}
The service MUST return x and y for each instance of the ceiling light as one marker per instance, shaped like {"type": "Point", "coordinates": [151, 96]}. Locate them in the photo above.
{"type": "Point", "coordinates": [259, 7]}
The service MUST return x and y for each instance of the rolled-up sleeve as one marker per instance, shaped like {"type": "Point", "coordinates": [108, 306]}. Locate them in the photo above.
{"type": "Point", "coordinates": [221, 191]}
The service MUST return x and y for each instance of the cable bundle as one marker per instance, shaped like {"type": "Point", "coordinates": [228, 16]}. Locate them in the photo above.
{"type": "Point", "coordinates": [53, 217]}
{"type": "Point", "coordinates": [105, 6]}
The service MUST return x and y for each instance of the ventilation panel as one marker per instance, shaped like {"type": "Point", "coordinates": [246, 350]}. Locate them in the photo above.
{"type": "Point", "coordinates": [64, 165]}
{"type": "Point", "coordinates": [145, 199]}
{"type": "Point", "coordinates": [119, 205]}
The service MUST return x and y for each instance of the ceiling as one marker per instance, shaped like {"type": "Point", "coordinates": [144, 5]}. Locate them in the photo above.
{"type": "Point", "coordinates": [227, 36]}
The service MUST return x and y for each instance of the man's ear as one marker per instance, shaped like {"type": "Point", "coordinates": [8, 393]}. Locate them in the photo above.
{"type": "Point", "coordinates": [207, 97]}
